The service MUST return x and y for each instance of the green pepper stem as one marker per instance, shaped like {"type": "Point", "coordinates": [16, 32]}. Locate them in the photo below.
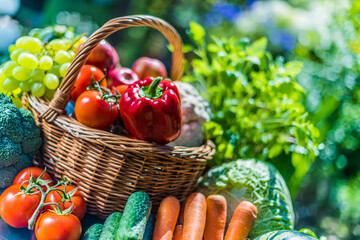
{"type": "Point", "coordinates": [151, 91]}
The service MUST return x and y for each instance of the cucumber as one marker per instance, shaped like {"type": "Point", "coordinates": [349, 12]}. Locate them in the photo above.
{"type": "Point", "coordinates": [149, 229]}
{"type": "Point", "coordinates": [110, 226]}
{"type": "Point", "coordinates": [134, 218]}
{"type": "Point", "coordinates": [93, 232]}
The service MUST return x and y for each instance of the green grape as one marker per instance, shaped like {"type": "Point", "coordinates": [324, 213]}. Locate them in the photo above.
{"type": "Point", "coordinates": [38, 89]}
{"type": "Point", "coordinates": [28, 61]}
{"type": "Point", "coordinates": [2, 90]}
{"type": "Point", "coordinates": [45, 63]}
{"type": "Point", "coordinates": [51, 81]}
{"type": "Point", "coordinates": [57, 44]}
{"type": "Point", "coordinates": [21, 73]}
{"type": "Point", "coordinates": [55, 70]}
{"type": "Point", "coordinates": [37, 75]}
{"type": "Point", "coordinates": [31, 44]}
{"type": "Point", "coordinates": [63, 69]}
{"type": "Point", "coordinates": [12, 48]}
{"type": "Point", "coordinates": [10, 84]}
{"type": "Point", "coordinates": [17, 101]}
{"type": "Point", "coordinates": [72, 54]}
{"type": "Point", "coordinates": [78, 43]}
{"type": "Point", "coordinates": [2, 75]}
{"type": "Point", "coordinates": [49, 94]}
{"type": "Point", "coordinates": [19, 41]}
{"type": "Point", "coordinates": [62, 57]}
{"type": "Point", "coordinates": [8, 68]}
{"type": "Point", "coordinates": [25, 86]}
{"type": "Point", "coordinates": [15, 54]}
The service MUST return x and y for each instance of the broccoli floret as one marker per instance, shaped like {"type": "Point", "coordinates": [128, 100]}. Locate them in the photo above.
{"type": "Point", "coordinates": [31, 141]}
{"type": "Point", "coordinates": [30, 145]}
{"type": "Point", "coordinates": [5, 100]}
{"type": "Point", "coordinates": [24, 162]}
{"type": "Point", "coordinates": [9, 152]}
{"type": "Point", "coordinates": [7, 176]}
{"type": "Point", "coordinates": [10, 122]}
{"type": "Point", "coordinates": [19, 137]}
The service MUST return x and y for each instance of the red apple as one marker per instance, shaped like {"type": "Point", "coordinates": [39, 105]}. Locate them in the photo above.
{"type": "Point", "coordinates": [149, 67]}
{"type": "Point", "coordinates": [119, 76]}
{"type": "Point", "coordinates": [103, 56]}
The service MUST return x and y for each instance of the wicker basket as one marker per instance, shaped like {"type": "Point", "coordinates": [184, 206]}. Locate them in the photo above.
{"type": "Point", "coordinates": [108, 168]}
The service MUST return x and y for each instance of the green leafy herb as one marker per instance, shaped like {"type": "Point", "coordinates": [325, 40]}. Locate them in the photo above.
{"type": "Point", "coordinates": [255, 102]}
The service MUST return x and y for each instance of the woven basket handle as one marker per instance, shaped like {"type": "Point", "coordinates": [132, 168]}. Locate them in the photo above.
{"type": "Point", "coordinates": [62, 95]}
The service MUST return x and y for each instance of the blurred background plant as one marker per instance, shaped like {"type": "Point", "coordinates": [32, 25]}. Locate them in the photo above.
{"type": "Point", "coordinates": [323, 34]}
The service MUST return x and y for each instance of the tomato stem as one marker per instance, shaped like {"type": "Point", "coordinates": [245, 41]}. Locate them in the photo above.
{"type": "Point", "coordinates": [31, 221]}
{"type": "Point", "coordinates": [42, 203]}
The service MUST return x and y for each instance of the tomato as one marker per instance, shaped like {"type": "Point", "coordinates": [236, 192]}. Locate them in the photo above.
{"type": "Point", "coordinates": [77, 199]}
{"type": "Point", "coordinates": [94, 111]}
{"type": "Point", "coordinates": [120, 89]}
{"type": "Point", "coordinates": [24, 175]}
{"type": "Point", "coordinates": [51, 226]}
{"type": "Point", "coordinates": [16, 207]}
{"type": "Point", "coordinates": [83, 80]}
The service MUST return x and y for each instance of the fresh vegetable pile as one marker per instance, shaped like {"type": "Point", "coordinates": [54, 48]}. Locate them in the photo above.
{"type": "Point", "coordinates": [236, 200]}
{"type": "Point", "coordinates": [197, 219]}
{"type": "Point", "coordinates": [103, 93]}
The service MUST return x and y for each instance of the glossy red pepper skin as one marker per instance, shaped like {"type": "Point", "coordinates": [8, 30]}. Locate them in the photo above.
{"type": "Point", "coordinates": [152, 119]}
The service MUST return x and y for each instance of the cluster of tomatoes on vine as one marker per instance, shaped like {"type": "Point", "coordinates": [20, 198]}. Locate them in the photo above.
{"type": "Point", "coordinates": [34, 201]}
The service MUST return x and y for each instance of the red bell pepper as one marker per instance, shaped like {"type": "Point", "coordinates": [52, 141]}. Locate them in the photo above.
{"type": "Point", "coordinates": [150, 110]}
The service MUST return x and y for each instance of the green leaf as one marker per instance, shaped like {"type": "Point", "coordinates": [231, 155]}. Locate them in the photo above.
{"type": "Point", "coordinates": [293, 68]}
{"type": "Point", "coordinates": [212, 47]}
{"type": "Point", "coordinates": [197, 32]}
{"type": "Point", "coordinates": [275, 151]}
{"type": "Point", "coordinates": [254, 60]}
{"type": "Point", "coordinates": [186, 48]}
{"type": "Point", "coordinates": [257, 48]}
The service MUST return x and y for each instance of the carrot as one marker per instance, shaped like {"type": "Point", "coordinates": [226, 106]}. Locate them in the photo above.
{"type": "Point", "coordinates": [178, 233]}
{"type": "Point", "coordinates": [194, 217]}
{"type": "Point", "coordinates": [242, 221]}
{"type": "Point", "coordinates": [167, 236]}
{"type": "Point", "coordinates": [215, 218]}
{"type": "Point", "coordinates": [166, 218]}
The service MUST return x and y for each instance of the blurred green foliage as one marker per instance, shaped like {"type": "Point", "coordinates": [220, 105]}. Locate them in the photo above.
{"type": "Point", "coordinates": [133, 42]}
{"type": "Point", "coordinates": [255, 104]}
{"type": "Point", "coordinates": [325, 37]}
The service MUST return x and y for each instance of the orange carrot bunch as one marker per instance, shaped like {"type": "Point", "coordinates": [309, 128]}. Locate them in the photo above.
{"type": "Point", "coordinates": [202, 218]}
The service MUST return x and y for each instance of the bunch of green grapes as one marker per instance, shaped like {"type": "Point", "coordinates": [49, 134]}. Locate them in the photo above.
{"type": "Point", "coordinates": [37, 67]}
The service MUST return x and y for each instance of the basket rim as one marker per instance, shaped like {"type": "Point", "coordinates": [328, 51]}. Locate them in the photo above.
{"type": "Point", "coordinates": [111, 140]}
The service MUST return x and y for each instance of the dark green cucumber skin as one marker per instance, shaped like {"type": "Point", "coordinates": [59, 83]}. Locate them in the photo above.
{"type": "Point", "coordinates": [134, 218]}
{"type": "Point", "coordinates": [93, 232]}
{"type": "Point", "coordinates": [285, 235]}
{"type": "Point", "coordinates": [111, 225]}
{"type": "Point", "coordinates": [149, 229]}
